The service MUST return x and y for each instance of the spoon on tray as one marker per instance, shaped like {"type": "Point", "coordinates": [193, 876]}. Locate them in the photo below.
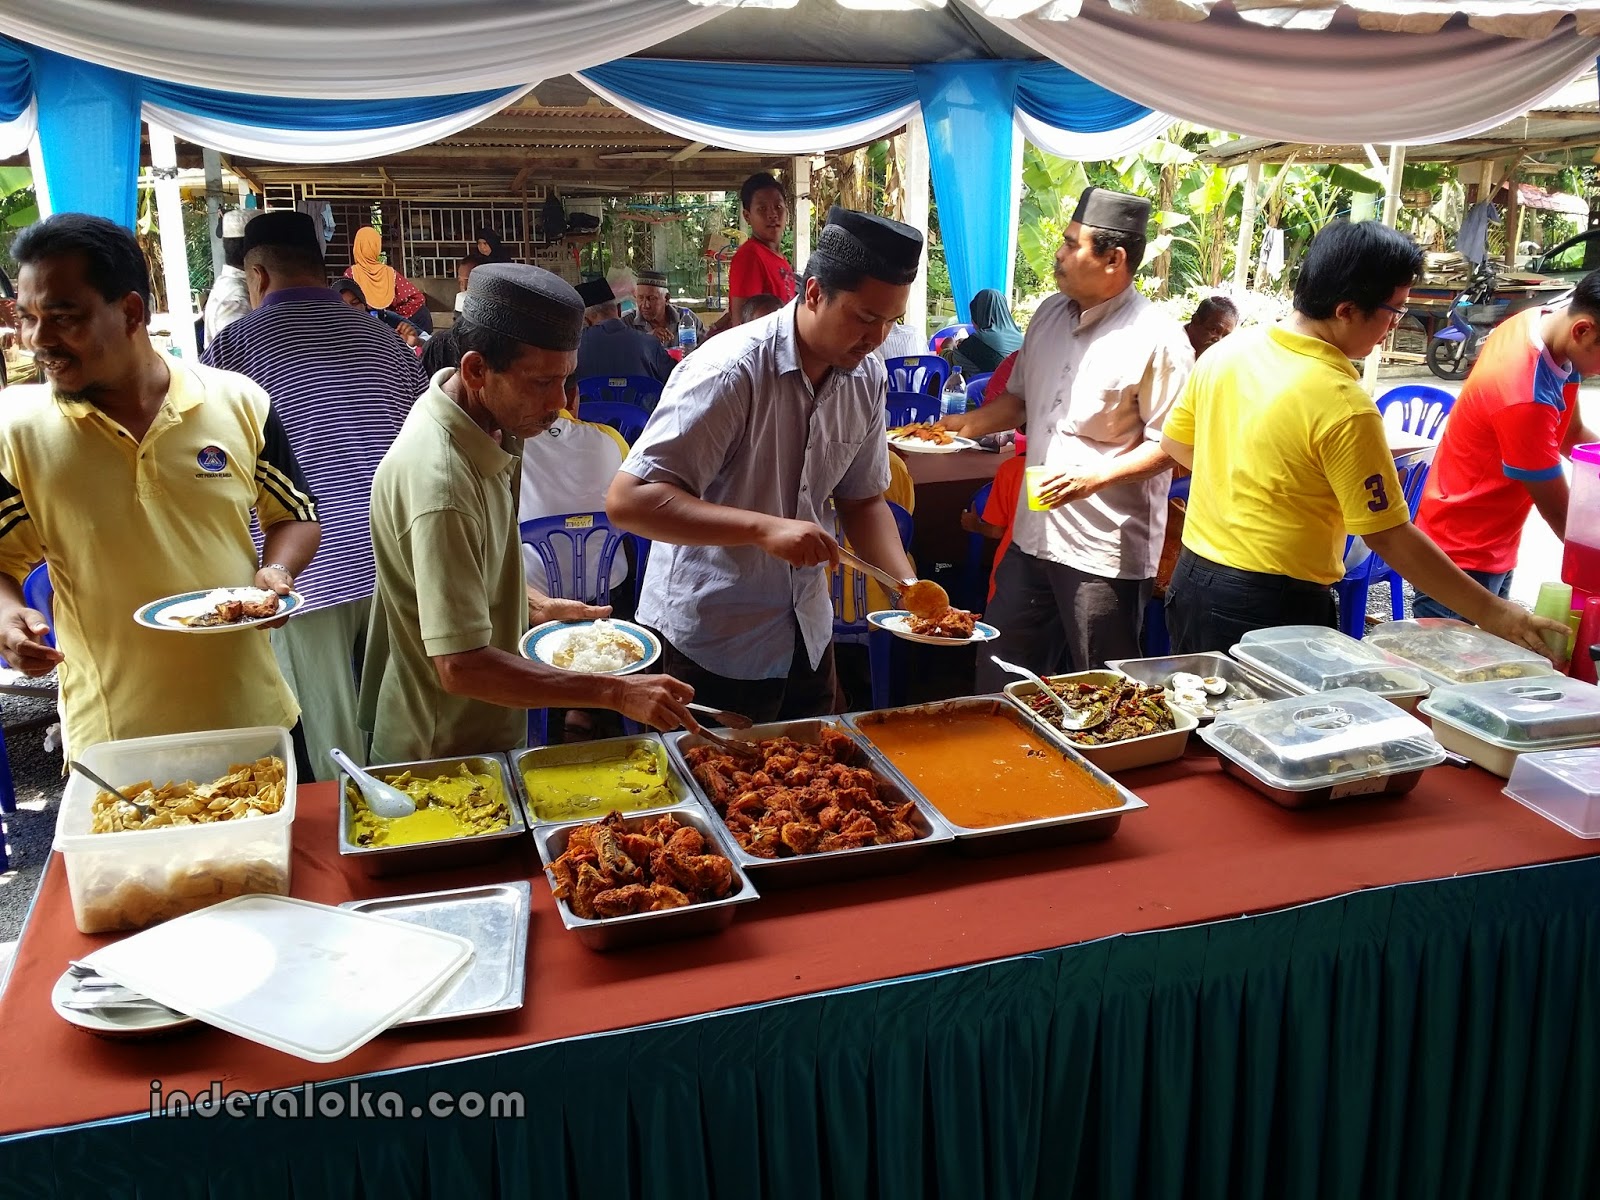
{"type": "Point", "coordinates": [921, 597]}
{"type": "Point", "coordinates": [383, 799]}
{"type": "Point", "coordinates": [1072, 720]}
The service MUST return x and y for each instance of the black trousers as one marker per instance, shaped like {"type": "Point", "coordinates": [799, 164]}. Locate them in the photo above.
{"type": "Point", "coordinates": [1210, 606]}
{"type": "Point", "coordinates": [806, 691]}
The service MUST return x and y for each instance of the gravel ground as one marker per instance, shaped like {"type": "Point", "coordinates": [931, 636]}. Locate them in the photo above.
{"type": "Point", "coordinates": [37, 775]}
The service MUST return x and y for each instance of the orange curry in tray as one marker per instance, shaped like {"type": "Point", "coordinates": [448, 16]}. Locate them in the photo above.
{"type": "Point", "coordinates": [982, 769]}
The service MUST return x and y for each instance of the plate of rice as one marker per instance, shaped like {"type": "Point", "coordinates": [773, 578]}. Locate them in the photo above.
{"type": "Point", "coordinates": [606, 647]}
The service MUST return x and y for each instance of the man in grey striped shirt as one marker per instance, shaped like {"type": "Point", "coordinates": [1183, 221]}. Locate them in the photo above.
{"type": "Point", "coordinates": [342, 384]}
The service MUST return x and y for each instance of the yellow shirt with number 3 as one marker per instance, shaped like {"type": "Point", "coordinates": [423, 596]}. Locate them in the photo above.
{"type": "Point", "coordinates": [1289, 456]}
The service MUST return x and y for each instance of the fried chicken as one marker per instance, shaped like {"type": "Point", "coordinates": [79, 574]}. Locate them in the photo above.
{"type": "Point", "coordinates": [616, 867]}
{"type": "Point", "coordinates": [954, 623]}
{"type": "Point", "coordinates": [806, 799]}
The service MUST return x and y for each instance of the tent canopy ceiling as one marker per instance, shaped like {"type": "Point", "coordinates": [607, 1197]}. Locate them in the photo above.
{"type": "Point", "coordinates": [1566, 125]}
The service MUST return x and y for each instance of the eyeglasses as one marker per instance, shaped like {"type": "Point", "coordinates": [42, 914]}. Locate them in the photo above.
{"type": "Point", "coordinates": [1400, 314]}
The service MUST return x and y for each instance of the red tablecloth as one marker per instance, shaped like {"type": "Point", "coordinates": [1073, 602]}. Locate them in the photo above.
{"type": "Point", "coordinates": [1206, 848]}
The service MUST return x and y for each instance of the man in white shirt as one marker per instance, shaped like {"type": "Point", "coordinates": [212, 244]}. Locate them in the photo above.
{"type": "Point", "coordinates": [1100, 368]}
{"type": "Point", "coordinates": [902, 342]}
{"type": "Point", "coordinates": [230, 297]}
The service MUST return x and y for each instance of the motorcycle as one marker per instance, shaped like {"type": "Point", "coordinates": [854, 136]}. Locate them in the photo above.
{"type": "Point", "coordinates": [1454, 348]}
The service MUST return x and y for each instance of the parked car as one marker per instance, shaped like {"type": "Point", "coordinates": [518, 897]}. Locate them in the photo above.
{"type": "Point", "coordinates": [1572, 259]}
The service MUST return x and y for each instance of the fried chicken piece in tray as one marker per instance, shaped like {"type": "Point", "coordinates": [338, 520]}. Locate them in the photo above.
{"type": "Point", "coordinates": [803, 800]}
{"type": "Point", "coordinates": [608, 870]}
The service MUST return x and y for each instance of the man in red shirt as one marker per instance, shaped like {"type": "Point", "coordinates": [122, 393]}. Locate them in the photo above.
{"type": "Point", "coordinates": [1516, 418]}
{"type": "Point", "coordinates": [758, 266]}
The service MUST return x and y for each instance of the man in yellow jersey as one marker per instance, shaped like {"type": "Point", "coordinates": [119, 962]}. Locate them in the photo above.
{"type": "Point", "coordinates": [1289, 456]}
{"type": "Point", "coordinates": [133, 475]}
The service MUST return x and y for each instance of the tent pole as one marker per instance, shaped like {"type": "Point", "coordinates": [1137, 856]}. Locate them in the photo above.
{"type": "Point", "coordinates": [800, 170]}
{"type": "Point", "coordinates": [1391, 211]}
{"type": "Point", "coordinates": [174, 247]}
{"type": "Point", "coordinates": [1247, 226]}
{"type": "Point", "coordinates": [213, 165]}
{"type": "Point", "coordinates": [917, 208]}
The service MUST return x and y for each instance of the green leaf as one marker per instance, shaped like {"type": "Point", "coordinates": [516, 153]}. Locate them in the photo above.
{"type": "Point", "coordinates": [22, 217]}
{"type": "Point", "coordinates": [1341, 176]}
{"type": "Point", "coordinates": [14, 179]}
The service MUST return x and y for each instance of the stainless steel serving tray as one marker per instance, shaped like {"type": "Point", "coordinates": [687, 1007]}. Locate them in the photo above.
{"type": "Point", "coordinates": [1124, 755]}
{"type": "Point", "coordinates": [1378, 785]}
{"type": "Point", "coordinates": [835, 865]}
{"type": "Point", "coordinates": [615, 933]}
{"type": "Point", "coordinates": [495, 920]}
{"type": "Point", "coordinates": [379, 861]}
{"type": "Point", "coordinates": [1156, 672]}
{"type": "Point", "coordinates": [1021, 835]}
{"type": "Point", "coordinates": [581, 752]}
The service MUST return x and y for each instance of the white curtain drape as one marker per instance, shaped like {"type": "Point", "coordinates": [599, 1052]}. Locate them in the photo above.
{"type": "Point", "coordinates": [316, 146]}
{"type": "Point", "coordinates": [1092, 147]}
{"type": "Point", "coordinates": [1507, 18]}
{"type": "Point", "coordinates": [804, 141]}
{"type": "Point", "coordinates": [15, 135]}
{"type": "Point", "coordinates": [1339, 85]}
{"type": "Point", "coordinates": [350, 49]}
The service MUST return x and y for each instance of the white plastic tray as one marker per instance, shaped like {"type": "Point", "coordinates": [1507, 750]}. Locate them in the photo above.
{"type": "Point", "coordinates": [311, 980]}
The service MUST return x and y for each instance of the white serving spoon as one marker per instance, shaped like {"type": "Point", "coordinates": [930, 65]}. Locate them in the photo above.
{"type": "Point", "coordinates": [383, 799]}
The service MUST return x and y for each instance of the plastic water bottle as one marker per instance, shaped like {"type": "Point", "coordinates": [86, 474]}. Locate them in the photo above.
{"type": "Point", "coordinates": [953, 401]}
{"type": "Point", "coordinates": [686, 337]}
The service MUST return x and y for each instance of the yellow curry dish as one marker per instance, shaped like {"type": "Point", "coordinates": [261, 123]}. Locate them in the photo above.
{"type": "Point", "coordinates": [462, 805]}
{"type": "Point", "coordinates": [625, 783]}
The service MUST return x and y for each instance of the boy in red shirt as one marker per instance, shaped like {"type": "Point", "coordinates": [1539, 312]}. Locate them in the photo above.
{"type": "Point", "coordinates": [758, 268]}
{"type": "Point", "coordinates": [1516, 418]}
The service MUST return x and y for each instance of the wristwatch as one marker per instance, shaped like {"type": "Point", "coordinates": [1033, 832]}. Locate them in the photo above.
{"type": "Point", "coordinates": [277, 567]}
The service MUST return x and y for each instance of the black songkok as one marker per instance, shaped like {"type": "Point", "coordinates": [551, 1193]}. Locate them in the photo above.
{"type": "Point", "coordinates": [282, 227]}
{"type": "Point", "coordinates": [1103, 209]}
{"type": "Point", "coordinates": [883, 249]}
{"type": "Point", "coordinates": [595, 291]}
{"type": "Point", "coordinates": [528, 304]}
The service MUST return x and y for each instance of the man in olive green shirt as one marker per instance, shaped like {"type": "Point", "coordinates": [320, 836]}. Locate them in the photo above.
{"type": "Point", "coordinates": [442, 674]}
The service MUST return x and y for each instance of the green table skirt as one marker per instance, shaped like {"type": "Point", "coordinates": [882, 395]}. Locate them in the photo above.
{"type": "Point", "coordinates": [1419, 1041]}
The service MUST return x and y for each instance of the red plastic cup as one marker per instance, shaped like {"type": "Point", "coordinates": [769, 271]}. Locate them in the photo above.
{"type": "Point", "coordinates": [1583, 664]}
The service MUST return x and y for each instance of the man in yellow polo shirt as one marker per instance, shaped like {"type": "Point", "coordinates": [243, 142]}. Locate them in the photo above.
{"type": "Point", "coordinates": [1289, 456]}
{"type": "Point", "coordinates": [133, 475]}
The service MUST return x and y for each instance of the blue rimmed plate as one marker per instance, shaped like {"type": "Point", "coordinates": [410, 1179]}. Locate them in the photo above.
{"type": "Point", "coordinates": [893, 620]}
{"type": "Point", "coordinates": [543, 642]}
{"type": "Point", "coordinates": [158, 613]}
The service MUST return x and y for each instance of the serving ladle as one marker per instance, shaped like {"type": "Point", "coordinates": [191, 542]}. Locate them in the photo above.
{"type": "Point", "coordinates": [385, 800]}
{"type": "Point", "coordinates": [1071, 719]}
{"type": "Point", "coordinates": [921, 597]}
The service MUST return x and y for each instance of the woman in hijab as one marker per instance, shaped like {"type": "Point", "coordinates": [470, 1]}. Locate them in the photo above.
{"type": "Point", "coordinates": [995, 334]}
{"type": "Point", "coordinates": [490, 246]}
{"type": "Point", "coordinates": [382, 285]}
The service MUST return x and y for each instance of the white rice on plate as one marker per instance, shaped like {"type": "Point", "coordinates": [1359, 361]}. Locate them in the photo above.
{"type": "Point", "coordinates": [596, 649]}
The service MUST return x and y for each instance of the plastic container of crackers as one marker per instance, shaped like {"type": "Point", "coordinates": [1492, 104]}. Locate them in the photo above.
{"type": "Point", "coordinates": [204, 817]}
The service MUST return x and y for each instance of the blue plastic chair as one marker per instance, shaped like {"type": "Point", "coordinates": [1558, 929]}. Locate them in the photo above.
{"type": "Point", "coordinates": [627, 419]}
{"type": "Point", "coordinates": [933, 342]}
{"type": "Point", "coordinates": [640, 390]}
{"type": "Point", "coordinates": [974, 594]}
{"type": "Point", "coordinates": [576, 534]}
{"type": "Point", "coordinates": [1360, 576]}
{"type": "Point", "coordinates": [976, 387]}
{"type": "Point", "coordinates": [918, 373]}
{"type": "Point", "coordinates": [859, 632]}
{"type": "Point", "coordinates": [906, 408]}
{"type": "Point", "coordinates": [1422, 409]}
{"type": "Point", "coordinates": [37, 593]}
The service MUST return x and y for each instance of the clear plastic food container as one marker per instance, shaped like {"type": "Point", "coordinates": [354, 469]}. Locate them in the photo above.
{"type": "Point", "coordinates": [1314, 658]}
{"type": "Point", "coordinates": [1312, 749]}
{"type": "Point", "coordinates": [1561, 785]}
{"type": "Point", "coordinates": [138, 877]}
{"type": "Point", "coordinates": [1454, 652]}
{"type": "Point", "coordinates": [1493, 723]}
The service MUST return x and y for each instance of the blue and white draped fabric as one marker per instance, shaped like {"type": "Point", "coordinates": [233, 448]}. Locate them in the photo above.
{"type": "Point", "coordinates": [18, 113]}
{"type": "Point", "coordinates": [972, 111]}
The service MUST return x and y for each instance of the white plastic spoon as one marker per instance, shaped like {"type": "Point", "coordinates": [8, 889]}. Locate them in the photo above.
{"type": "Point", "coordinates": [383, 799]}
